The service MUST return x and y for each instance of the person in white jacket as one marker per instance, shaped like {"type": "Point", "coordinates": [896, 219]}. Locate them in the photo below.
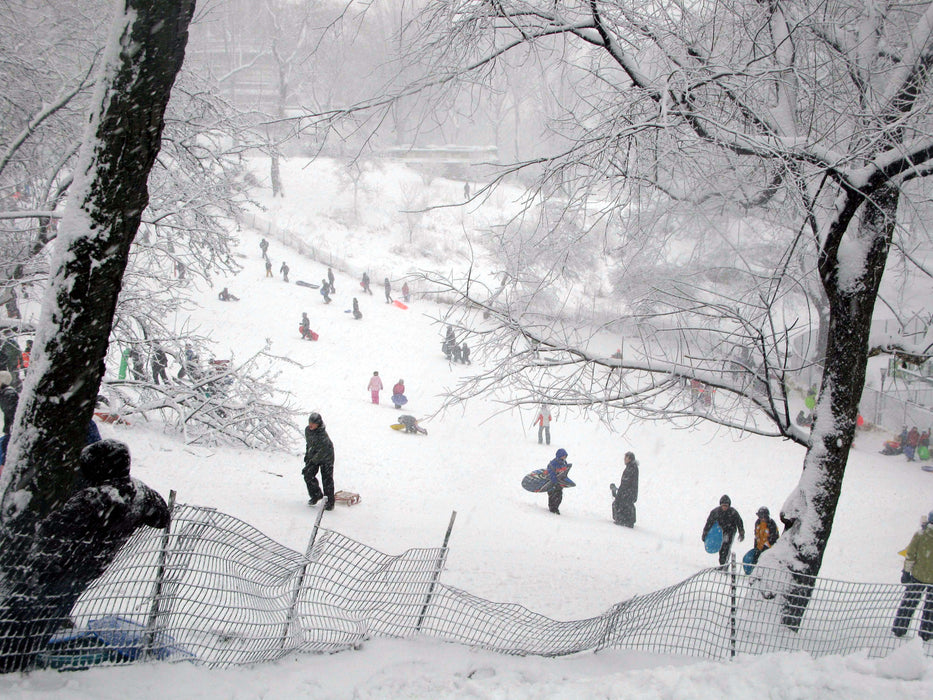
{"type": "Point", "coordinates": [543, 421]}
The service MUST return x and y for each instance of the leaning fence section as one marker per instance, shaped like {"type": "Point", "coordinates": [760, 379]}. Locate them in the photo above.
{"type": "Point", "coordinates": [215, 591]}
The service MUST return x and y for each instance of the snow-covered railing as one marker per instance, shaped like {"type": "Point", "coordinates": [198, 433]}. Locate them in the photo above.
{"type": "Point", "coordinates": [215, 591]}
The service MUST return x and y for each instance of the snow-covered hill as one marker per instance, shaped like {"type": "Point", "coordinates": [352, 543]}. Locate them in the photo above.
{"type": "Point", "coordinates": [505, 545]}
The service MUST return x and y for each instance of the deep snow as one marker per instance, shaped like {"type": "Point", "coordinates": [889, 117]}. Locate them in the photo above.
{"type": "Point", "coordinates": [505, 545]}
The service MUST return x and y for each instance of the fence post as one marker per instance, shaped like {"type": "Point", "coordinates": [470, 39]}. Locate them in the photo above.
{"type": "Point", "coordinates": [293, 603]}
{"type": "Point", "coordinates": [437, 572]}
{"type": "Point", "coordinates": [154, 610]}
{"type": "Point", "coordinates": [733, 604]}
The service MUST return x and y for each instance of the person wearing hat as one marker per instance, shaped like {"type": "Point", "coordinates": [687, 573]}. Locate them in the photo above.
{"type": "Point", "coordinates": [72, 547]}
{"type": "Point", "coordinates": [319, 457]}
{"type": "Point", "coordinates": [730, 521]}
{"type": "Point", "coordinates": [555, 492]}
{"type": "Point", "coordinates": [766, 532]}
{"type": "Point", "coordinates": [918, 575]}
{"type": "Point", "coordinates": [8, 400]}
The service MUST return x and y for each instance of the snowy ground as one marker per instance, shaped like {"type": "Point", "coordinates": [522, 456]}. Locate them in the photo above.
{"type": "Point", "coordinates": [505, 545]}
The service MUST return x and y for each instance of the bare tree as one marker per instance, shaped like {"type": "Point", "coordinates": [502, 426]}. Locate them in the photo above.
{"type": "Point", "coordinates": [107, 199]}
{"type": "Point", "coordinates": [817, 113]}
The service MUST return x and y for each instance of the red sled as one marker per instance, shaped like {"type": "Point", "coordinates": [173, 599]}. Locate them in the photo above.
{"type": "Point", "coordinates": [314, 336]}
{"type": "Point", "coordinates": [110, 418]}
{"type": "Point", "coordinates": [347, 498]}
{"type": "Point", "coordinates": [399, 304]}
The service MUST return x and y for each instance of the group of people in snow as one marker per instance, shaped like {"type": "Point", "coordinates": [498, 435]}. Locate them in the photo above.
{"type": "Point", "coordinates": [454, 351]}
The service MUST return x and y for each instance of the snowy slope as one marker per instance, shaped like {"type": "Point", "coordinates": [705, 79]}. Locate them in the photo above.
{"type": "Point", "coordinates": [505, 545]}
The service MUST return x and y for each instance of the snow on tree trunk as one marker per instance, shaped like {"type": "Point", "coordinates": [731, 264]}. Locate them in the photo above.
{"type": "Point", "coordinates": [144, 54]}
{"type": "Point", "coordinates": [851, 278]}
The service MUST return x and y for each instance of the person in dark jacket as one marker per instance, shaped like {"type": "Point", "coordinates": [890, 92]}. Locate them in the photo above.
{"type": "Point", "coordinates": [325, 291]}
{"type": "Point", "coordinates": [555, 492]}
{"type": "Point", "coordinates": [9, 398]}
{"type": "Point", "coordinates": [388, 289]}
{"type": "Point", "coordinates": [357, 314]}
{"type": "Point", "coordinates": [364, 283]}
{"type": "Point", "coordinates": [330, 280]}
{"type": "Point", "coordinates": [766, 533]}
{"type": "Point", "coordinates": [159, 363]}
{"type": "Point", "coordinates": [319, 457]}
{"type": "Point", "coordinates": [72, 547]}
{"type": "Point", "coordinates": [625, 496]}
{"type": "Point", "coordinates": [730, 521]}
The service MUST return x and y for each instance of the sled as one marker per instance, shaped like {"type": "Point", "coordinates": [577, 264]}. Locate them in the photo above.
{"type": "Point", "coordinates": [397, 426]}
{"type": "Point", "coordinates": [399, 304]}
{"type": "Point", "coordinates": [923, 453]}
{"type": "Point", "coordinates": [713, 540]}
{"type": "Point", "coordinates": [539, 482]}
{"type": "Point", "coordinates": [348, 498]}
{"type": "Point", "coordinates": [314, 336]}
{"type": "Point", "coordinates": [104, 417]}
{"type": "Point", "coordinates": [109, 639]}
{"type": "Point", "coordinates": [748, 561]}
{"type": "Point", "coordinates": [399, 400]}
{"type": "Point", "coordinates": [927, 467]}
{"type": "Point", "coordinates": [302, 283]}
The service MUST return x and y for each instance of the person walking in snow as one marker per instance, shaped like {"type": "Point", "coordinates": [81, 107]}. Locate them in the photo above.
{"type": "Point", "coordinates": [319, 458]}
{"type": "Point", "coordinates": [264, 247]}
{"type": "Point", "coordinates": [555, 492]}
{"type": "Point", "coordinates": [364, 283]}
{"type": "Point", "coordinates": [918, 575]}
{"type": "Point", "coordinates": [625, 496]}
{"type": "Point", "coordinates": [330, 280]}
{"type": "Point", "coordinates": [465, 353]}
{"type": "Point", "coordinates": [284, 270]}
{"type": "Point", "coordinates": [375, 386]}
{"type": "Point", "coordinates": [268, 268]}
{"type": "Point", "coordinates": [730, 521]}
{"type": "Point", "coordinates": [71, 548]}
{"type": "Point", "coordinates": [543, 421]}
{"type": "Point", "coordinates": [388, 289]}
{"type": "Point", "coordinates": [159, 363]}
{"type": "Point", "coordinates": [766, 533]}
{"type": "Point", "coordinates": [406, 292]}
{"type": "Point", "coordinates": [325, 288]}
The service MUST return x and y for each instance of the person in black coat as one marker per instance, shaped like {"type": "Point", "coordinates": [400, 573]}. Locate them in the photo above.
{"type": "Point", "coordinates": [72, 547]}
{"type": "Point", "coordinates": [9, 398]}
{"type": "Point", "coordinates": [357, 314]}
{"type": "Point", "coordinates": [319, 457]}
{"type": "Point", "coordinates": [625, 496]}
{"type": "Point", "coordinates": [159, 363]}
{"type": "Point", "coordinates": [730, 521]}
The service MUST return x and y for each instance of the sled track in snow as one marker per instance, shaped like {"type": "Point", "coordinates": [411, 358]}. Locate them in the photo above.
{"type": "Point", "coordinates": [215, 591]}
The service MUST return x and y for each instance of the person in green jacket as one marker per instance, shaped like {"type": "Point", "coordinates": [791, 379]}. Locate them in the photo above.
{"type": "Point", "coordinates": [918, 575]}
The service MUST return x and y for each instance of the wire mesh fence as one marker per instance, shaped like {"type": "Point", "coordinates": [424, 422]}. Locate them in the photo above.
{"type": "Point", "coordinates": [215, 591]}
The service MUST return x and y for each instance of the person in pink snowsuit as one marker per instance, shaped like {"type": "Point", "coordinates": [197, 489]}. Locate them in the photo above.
{"type": "Point", "coordinates": [375, 386]}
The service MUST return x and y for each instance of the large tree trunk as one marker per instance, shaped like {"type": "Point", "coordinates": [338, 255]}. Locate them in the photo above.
{"type": "Point", "coordinates": [851, 304]}
{"type": "Point", "coordinates": [106, 201]}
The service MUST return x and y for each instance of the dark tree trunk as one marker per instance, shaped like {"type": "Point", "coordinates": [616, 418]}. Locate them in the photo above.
{"type": "Point", "coordinates": [106, 202]}
{"type": "Point", "coordinates": [851, 304]}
